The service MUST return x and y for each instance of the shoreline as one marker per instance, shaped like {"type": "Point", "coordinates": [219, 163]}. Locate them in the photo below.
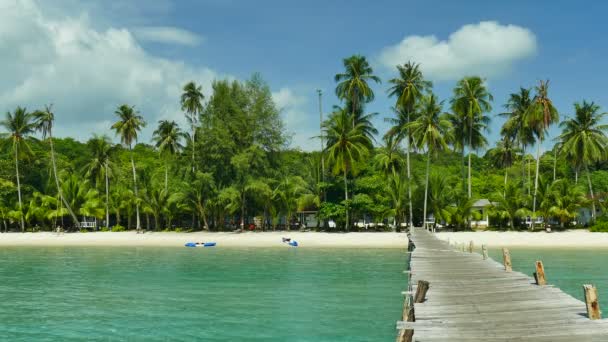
{"type": "Point", "coordinates": [223, 239]}
{"type": "Point", "coordinates": [496, 239]}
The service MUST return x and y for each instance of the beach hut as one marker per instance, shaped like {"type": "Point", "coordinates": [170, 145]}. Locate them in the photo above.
{"type": "Point", "coordinates": [481, 208]}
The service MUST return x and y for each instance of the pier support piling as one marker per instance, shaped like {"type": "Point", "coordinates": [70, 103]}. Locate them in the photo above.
{"type": "Point", "coordinates": [471, 246]}
{"type": "Point", "coordinates": [539, 275]}
{"type": "Point", "coordinates": [484, 252]}
{"type": "Point", "coordinates": [506, 258]}
{"type": "Point", "coordinates": [593, 305]}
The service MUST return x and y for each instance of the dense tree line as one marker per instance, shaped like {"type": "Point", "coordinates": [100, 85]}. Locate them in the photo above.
{"type": "Point", "coordinates": [231, 168]}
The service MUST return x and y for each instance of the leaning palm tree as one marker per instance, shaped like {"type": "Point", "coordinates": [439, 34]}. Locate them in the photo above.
{"type": "Point", "coordinates": [472, 98]}
{"type": "Point", "coordinates": [20, 125]}
{"type": "Point", "coordinates": [431, 131]}
{"type": "Point", "coordinates": [408, 87]}
{"type": "Point", "coordinates": [584, 139]}
{"type": "Point", "coordinates": [540, 115]}
{"type": "Point", "coordinates": [192, 103]}
{"type": "Point", "coordinates": [100, 166]}
{"type": "Point", "coordinates": [128, 126]}
{"type": "Point", "coordinates": [168, 137]}
{"type": "Point", "coordinates": [44, 123]}
{"type": "Point", "coordinates": [347, 146]}
{"type": "Point", "coordinates": [517, 126]}
{"type": "Point", "coordinates": [353, 83]}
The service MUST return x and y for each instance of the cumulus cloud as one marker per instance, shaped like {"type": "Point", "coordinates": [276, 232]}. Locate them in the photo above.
{"type": "Point", "coordinates": [167, 35]}
{"type": "Point", "coordinates": [297, 119]}
{"type": "Point", "coordinates": [84, 71]}
{"type": "Point", "coordinates": [488, 49]}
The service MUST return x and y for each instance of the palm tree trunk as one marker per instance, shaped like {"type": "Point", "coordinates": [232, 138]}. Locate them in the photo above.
{"type": "Point", "coordinates": [166, 177]}
{"type": "Point", "coordinates": [137, 221]}
{"type": "Point", "coordinates": [409, 175]}
{"type": "Point", "coordinates": [243, 212]}
{"type": "Point", "coordinates": [19, 187]}
{"type": "Point", "coordinates": [591, 193]}
{"type": "Point", "coordinates": [346, 200]}
{"type": "Point", "coordinates": [576, 175]}
{"type": "Point", "coordinates": [426, 184]}
{"type": "Point", "coordinates": [59, 191]}
{"type": "Point", "coordinates": [462, 169]}
{"type": "Point", "coordinates": [504, 193]}
{"type": "Point", "coordinates": [193, 139]}
{"type": "Point", "coordinates": [523, 168]}
{"type": "Point", "coordinates": [470, 151]}
{"type": "Point", "coordinates": [107, 197]}
{"type": "Point", "coordinates": [554, 163]}
{"type": "Point", "coordinates": [536, 180]}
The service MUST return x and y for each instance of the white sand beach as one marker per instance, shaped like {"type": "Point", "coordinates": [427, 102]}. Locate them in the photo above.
{"type": "Point", "coordinates": [246, 239]}
{"type": "Point", "coordinates": [566, 239]}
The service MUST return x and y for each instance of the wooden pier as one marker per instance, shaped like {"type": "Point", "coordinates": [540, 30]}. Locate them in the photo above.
{"type": "Point", "coordinates": [459, 296]}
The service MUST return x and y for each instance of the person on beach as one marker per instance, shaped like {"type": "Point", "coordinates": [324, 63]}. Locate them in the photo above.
{"type": "Point", "coordinates": [286, 239]}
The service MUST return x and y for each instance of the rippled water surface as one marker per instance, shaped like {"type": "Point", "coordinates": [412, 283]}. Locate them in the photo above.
{"type": "Point", "coordinates": [210, 294]}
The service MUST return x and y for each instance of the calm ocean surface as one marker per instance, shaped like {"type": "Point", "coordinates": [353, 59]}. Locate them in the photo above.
{"type": "Point", "coordinates": [207, 294]}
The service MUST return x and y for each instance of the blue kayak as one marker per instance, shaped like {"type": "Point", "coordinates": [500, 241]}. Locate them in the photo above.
{"type": "Point", "coordinates": [206, 244]}
{"type": "Point", "coordinates": [293, 243]}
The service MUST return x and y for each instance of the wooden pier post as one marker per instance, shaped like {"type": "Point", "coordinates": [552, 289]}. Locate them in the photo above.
{"type": "Point", "coordinates": [405, 335]}
{"type": "Point", "coordinates": [506, 258]}
{"type": "Point", "coordinates": [471, 246]}
{"type": "Point", "coordinates": [421, 289]}
{"type": "Point", "coordinates": [593, 305]}
{"type": "Point", "coordinates": [539, 275]}
{"type": "Point", "coordinates": [484, 252]}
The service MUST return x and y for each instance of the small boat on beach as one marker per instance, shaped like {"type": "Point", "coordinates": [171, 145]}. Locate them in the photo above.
{"type": "Point", "coordinates": [200, 244]}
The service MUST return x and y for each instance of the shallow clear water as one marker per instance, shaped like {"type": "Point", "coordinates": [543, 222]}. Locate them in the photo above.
{"type": "Point", "coordinates": [568, 269]}
{"type": "Point", "coordinates": [211, 294]}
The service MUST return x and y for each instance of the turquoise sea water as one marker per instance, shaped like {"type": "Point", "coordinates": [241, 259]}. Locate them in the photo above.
{"type": "Point", "coordinates": [207, 294]}
{"type": "Point", "coordinates": [568, 269]}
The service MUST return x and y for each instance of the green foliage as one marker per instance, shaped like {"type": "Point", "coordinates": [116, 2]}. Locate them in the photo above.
{"type": "Point", "coordinates": [600, 225]}
{"type": "Point", "coordinates": [118, 228]}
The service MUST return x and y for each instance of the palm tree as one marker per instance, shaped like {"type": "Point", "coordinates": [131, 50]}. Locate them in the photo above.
{"type": "Point", "coordinates": [472, 98]}
{"type": "Point", "coordinates": [20, 125]}
{"type": "Point", "coordinates": [408, 87]}
{"type": "Point", "coordinates": [510, 203]}
{"type": "Point", "coordinates": [504, 154]}
{"type": "Point", "coordinates": [431, 131]}
{"type": "Point", "coordinates": [101, 167]}
{"type": "Point", "coordinates": [128, 126]}
{"type": "Point", "coordinates": [517, 126]}
{"type": "Point", "coordinates": [584, 139]}
{"type": "Point", "coordinates": [540, 115]}
{"type": "Point", "coordinates": [168, 137]}
{"type": "Point", "coordinates": [567, 200]}
{"type": "Point", "coordinates": [192, 103]}
{"type": "Point", "coordinates": [389, 158]}
{"type": "Point", "coordinates": [353, 86]}
{"type": "Point", "coordinates": [347, 146]}
{"type": "Point", "coordinates": [44, 123]}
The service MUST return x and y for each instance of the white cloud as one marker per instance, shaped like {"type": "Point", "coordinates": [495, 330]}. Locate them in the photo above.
{"type": "Point", "coordinates": [167, 35]}
{"type": "Point", "coordinates": [302, 125]}
{"type": "Point", "coordinates": [84, 71]}
{"type": "Point", "coordinates": [488, 49]}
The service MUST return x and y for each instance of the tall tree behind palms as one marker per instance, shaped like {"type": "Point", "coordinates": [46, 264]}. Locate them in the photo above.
{"type": "Point", "coordinates": [408, 87]}
{"type": "Point", "coordinates": [347, 146]}
{"type": "Point", "coordinates": [517, 126]}
{"type": "Point", "coordinates": [128, 126]}
{"type": "Point", "coordinates": [168, 137]}
{"type": "Point", "coordinates": [540, 115]}
{"type": "Point", "coordinates": [584, 139]}
{"type": "Point", "coordinates": [192, 102]}
{"type": "Point", "coordinates": [101, 167]}
{"type": "Point", "coordinates": [431, 131]}
{"type": "Point", "coordinates": [20, 125]}
{"type": "Point", "coordinates": [504, 154]}
{"type": "Point", "coordinates": [353, 84]}
{"type": "Point", "coordinates": [44, 123]}
{"type": "Point", "coordinates": [472, 98]}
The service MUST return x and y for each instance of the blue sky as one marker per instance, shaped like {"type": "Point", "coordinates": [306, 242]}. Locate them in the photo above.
{"type": "Point", "coordinates": [100, 54]}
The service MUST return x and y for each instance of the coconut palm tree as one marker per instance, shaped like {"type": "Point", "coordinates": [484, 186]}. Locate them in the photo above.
{"type": "Point", "coordinates": [44, 120]}
{"type": "Point", "coordinates": [192, 103]}
{"type": "Point", "coordinates": [472, 99]}
{"type": "Point", "coordinates": [353, 84]}
{"type": "Point", "coordinates": [510, 203]}
{"type": "Point", "coordinates": [168, 137]}
{"type": "Point", "coordinates": [19, 124]}
{"type": "Point", "coordinates": [540, 115]}
{"type": "Point", "coordinates": [408, 88]}
{"type": "Point", "coordinates": [128, 126]}
{"type": "Point", "coordinates": [517, 126]}
{"type": "Point", "coordinates": [431, 131]}
{"type": "Point", "coordinates": [567, 199]}
{"type": "Point", "coordinates": [100, 166]}
{"type": "Point", "coordinates": [584, 139]}
{"type": "Point", "coordinates": [504, 154]}
{"type": "Point", "coordinates": [347, 146]}
{"type": "Point", "coordinates": [389, 159]}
